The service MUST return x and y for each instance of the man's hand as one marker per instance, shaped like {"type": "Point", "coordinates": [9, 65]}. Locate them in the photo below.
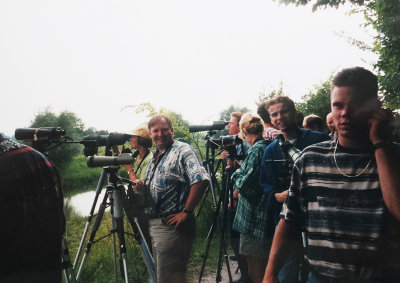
{"type": "Point", "coordinates": [127, 167]}
{"type": "Point", "coordinates": [138, 182]}
{"type": "Point", "coordinates": [281, 197]}
{"type": "Point", "coordinates": [177, 219]}
{"type": "Point", "coordinates": [224, 155]}
{"type": "Point", "coordinates": [268, 279]}
{"type": "Point", "coordinates": [232, 206]}
{"type": "Point", "coordinates": [232, 164]}
{"type": "Point", "coordinates": [380, 125]}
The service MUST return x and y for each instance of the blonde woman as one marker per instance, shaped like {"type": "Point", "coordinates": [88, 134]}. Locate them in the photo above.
{"type": "Point", "coordinates": [141, 141]}
{"type": "Point", "coordinates": [251, 214]}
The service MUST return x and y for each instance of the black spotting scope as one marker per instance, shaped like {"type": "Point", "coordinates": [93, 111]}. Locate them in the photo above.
{"type": "Point", "coordinates": [101, 161]}
{"type": "Point", "coordinates": [108, 140]}
{"type": "Point", "coordinates": [217, 125]}
{"type": "Point", "coordinates": [38, 134]}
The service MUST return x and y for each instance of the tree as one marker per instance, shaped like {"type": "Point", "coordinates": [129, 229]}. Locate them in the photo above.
{"type": "Point", "coordinates": [324, 3]}
{"type": "Point", "coordinates": [317, 101]}
{"type": "Point", "coordinates": [264, 95]}
{"type": "Point", "coordinates": [383, 16]}
{"type": "Point", "coordinates": [74, 129]}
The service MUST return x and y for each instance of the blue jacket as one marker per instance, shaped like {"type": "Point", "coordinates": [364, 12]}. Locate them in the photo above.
{"type": "Point", "coordinates": [272, 169]}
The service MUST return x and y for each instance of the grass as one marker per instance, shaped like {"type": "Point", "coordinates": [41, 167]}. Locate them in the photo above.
{"type": "Point", "coordinates": [99, 266]}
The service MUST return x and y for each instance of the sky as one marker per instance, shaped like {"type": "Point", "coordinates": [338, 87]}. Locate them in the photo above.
{"type": "Point", "coordinates": [196, 58]}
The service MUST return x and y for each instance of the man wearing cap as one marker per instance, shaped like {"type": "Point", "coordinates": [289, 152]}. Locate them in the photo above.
{"type": "Point", "coordinates": [177, 180]}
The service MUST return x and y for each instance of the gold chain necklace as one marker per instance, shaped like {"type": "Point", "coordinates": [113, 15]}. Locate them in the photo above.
{"type": "Point", "coordinates": [340, 170]}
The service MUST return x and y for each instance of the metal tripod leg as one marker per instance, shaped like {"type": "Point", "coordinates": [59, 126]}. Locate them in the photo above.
{"type": "Point", "coordinates": [95, 227]}
{"type": "Point", "coordinates": [100, 184]}
{"type": "Point", "coordinates": [66, 264]}
{"type": "Point", "coordinates": [222, 201]}
{"type": "Point", "coordinates": [222, 248]}
{"type": "Point", "coordinates": [118, 221]}
{"type": "Point", "coordinates": [144, 248]}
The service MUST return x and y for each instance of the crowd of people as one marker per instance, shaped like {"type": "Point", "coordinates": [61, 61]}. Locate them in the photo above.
{"type": "Point", "coordinates": [309, 204]}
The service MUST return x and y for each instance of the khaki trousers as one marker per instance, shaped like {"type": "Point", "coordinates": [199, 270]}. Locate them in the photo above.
{"type": "Point", "coordinates": [171, 249]}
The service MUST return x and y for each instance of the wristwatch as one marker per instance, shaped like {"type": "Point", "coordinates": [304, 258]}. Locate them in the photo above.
{"type": "Point", "coordinates": [186, 211]}
{"type": "Point", "coordinates": [380, 144]}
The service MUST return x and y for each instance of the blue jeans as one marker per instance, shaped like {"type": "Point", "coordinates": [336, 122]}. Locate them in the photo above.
{"type": "Point", "coordinates": [313, 279]}
{"type": "Point", "coordinates": [290, 270]}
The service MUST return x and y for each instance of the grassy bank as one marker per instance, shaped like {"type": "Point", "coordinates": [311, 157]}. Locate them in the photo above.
{"type": "Point", "coordinates": [99, 266]}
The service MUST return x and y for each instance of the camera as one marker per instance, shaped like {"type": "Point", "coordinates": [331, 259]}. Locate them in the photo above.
{"type": "Point", "coordinates": [227, 143]}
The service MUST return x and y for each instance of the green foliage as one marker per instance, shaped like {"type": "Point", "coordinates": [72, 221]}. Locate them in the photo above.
{"type": "Point", "coordinates": [384, 16]}
{"type": "Point", "coordinates": [78, 177]}
{"type": "Point", "coordinates": [74, 129]}
{"type": "Point", "coordinates": [325, 3]}
{"type": "Point", "coordinates": [99, 266]}
{"type": "Point", "coordinates": [317, 101]}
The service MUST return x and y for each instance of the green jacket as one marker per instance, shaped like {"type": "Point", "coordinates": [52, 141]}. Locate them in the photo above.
{"type": "Point", "coordinates": [251, 212]}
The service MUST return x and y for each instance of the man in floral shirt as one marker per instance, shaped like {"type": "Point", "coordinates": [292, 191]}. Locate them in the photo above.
{"type": "Point", "coordinates": [177, 180]}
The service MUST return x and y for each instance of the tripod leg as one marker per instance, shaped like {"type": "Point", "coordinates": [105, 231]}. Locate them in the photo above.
{"type": "Point", "coordinates": [95, 227]}
{"type": "Point", "coordinates": [103, 177]}
{"type": "Point", "coordinates": [66, 264]}
{"type": "Point", "coordinates": [144, 245]}
{"type": "Point", "coordinates": [209, 237]}
{"type": "Point", "coordinates": [118, 219]}
{"type": "Point", "coordinates": [222, 247]}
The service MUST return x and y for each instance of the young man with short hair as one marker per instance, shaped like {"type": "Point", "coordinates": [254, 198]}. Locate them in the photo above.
{"type": "Point", "coordinates": [345, 193]}
{"type": "Point", "coordinates": [275, 171]}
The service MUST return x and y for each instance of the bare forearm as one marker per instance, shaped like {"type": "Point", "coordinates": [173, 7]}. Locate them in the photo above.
{"type": "Point", "coordinates": [286, 239]}
{"type": "Point", "coordinates": [389, 178]}
{"type": "Point", "coordinates": [196, 192]}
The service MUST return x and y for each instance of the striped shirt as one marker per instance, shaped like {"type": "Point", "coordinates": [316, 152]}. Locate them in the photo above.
{"type": "Point", "coordinates": [271, 133]}
{"type": "Point", "coordinates": [345, 219]}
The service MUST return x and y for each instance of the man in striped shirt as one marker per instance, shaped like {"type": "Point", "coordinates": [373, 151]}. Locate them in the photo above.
{"type": "Point", "coordinates": [345, 193]}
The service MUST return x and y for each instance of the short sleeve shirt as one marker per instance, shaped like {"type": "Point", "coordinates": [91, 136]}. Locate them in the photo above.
{"type": "Point", "coordinates": [170, 180]}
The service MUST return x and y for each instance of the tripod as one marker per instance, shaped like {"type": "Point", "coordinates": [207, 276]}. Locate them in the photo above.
{"type": "Point", "coordinates": [115, 197]}
{"type": "Point", "coordinates": [223, 201]}
{"type": "Point", "coordinates": [209, 164]}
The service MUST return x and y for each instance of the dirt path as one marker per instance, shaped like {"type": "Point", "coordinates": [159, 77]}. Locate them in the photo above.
{"type": "Point", "coordinates": [210, 277]}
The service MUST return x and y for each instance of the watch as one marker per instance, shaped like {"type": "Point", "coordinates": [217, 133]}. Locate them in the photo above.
{"type": "Point", "coordinates": [380, 144]}
{"type": "Point", "coordinates": [186, 211]}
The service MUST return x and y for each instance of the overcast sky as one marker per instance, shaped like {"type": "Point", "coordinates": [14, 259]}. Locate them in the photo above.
{"type": "Point", "coordinates": [194, 57]}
